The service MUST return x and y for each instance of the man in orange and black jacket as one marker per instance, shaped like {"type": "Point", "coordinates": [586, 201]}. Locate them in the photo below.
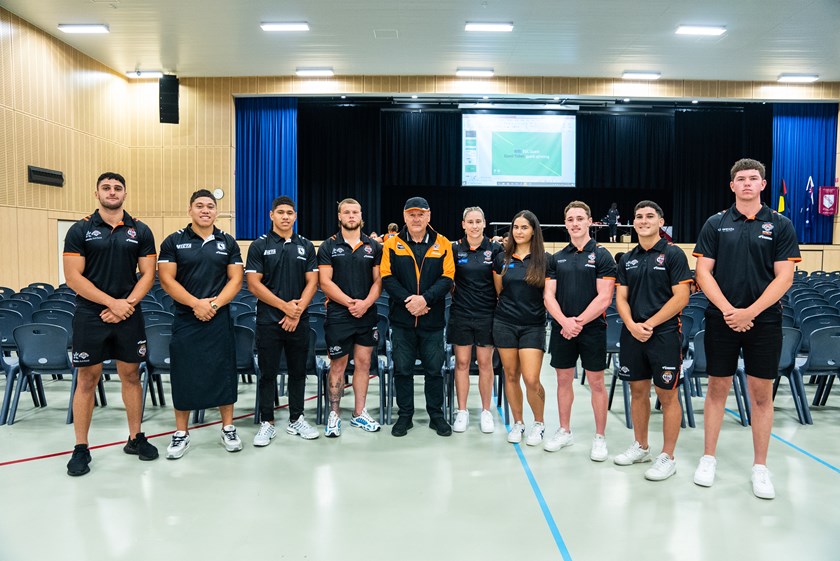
{"type": "Point", "coordinates": [417, 271]}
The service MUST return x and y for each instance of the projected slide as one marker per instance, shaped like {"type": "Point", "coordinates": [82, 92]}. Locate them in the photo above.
{"type": "Point", "coordinates": [518, 150]}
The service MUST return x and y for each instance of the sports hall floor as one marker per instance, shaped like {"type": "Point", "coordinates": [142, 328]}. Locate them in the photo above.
{"type": "Point", "coordinates": [372, 496]}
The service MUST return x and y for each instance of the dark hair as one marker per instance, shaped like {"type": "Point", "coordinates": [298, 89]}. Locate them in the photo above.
{"type": "Point", "coordinates": [618, 256]}
{"type": "Point", "coordinates": [111, 175]}
{"type": "Point", "coordinates": [651, 204]}
{"type": "Point", "coordinates": [614, 205]}
{"type": "Point", "coordinates": [201, 193]}
{"type": "Point", "coordinates": [746, 163]}
{"type": "Point", "coordinates": [282, 200]}
{"type": "Point", "coordinates": [535, 275]}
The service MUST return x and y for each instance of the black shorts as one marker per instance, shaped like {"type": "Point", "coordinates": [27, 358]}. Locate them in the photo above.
{"type": "Point", "coordinates": [660, 358]}
{"type": "Point", "coordinates": [590, 345]}
{"type": "Point", "coordinates": [762, 347]}
{"type": "Point", "coordinates": [95, 341]}
{"type": "Point", "coordinates": [468, 332]}
{"type": "Point", "coordinates": [509, 336]}
{"type": "Point", "coordinates": [343, 335]}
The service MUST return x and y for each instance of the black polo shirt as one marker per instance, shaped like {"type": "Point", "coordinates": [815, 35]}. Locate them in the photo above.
{"type": "Point", "coordinates": [649, 276]}
{"type": "Point", "coordinates": [576, 273]}
{"type": "Point", "coordinates": [283, 263]}
{"type": "Point", "coordinates": [202, 263]}
{"type": "Point", "coordinates": [352, 270]}
{"type": "Point", "coordinates": [475, 294]}
{"type": "Point", "coordinates": [519, 303]}
{"type": "Point", "coordinates": [745, 250]}
{"type": "Point", "coordinates": [111, 254]}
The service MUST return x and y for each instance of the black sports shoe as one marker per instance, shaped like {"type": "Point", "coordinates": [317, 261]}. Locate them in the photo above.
{"type": "Point", "coordinates": [439, 425]}
{"type": "Point", "coordinates": [401, 427]}
{"type": "Point", "coordinates": [78, 464]}
{"type": "Point", "coordinates": [139, 446]}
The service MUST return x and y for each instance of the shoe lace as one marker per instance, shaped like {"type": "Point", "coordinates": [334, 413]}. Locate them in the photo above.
{"type": "Point", "coordinates": [366, 416]}
{"type": "Point", "coordinates": [662, 462]}
{"type": "Point", "coordinates": [178, 440]}
{"type": "Point", "coordinates": [762, 476]}
{"type": "Point", "coordinates": [265, 429]}
{"type": "Point", "coordinates": [230, 434]}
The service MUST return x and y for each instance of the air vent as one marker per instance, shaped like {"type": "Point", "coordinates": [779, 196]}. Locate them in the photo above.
{"type": "Point", "coordinates": [45, 176]}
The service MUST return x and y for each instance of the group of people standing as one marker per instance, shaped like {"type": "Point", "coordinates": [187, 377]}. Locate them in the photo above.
{"type": "Point", "coordinates": [501, 296]}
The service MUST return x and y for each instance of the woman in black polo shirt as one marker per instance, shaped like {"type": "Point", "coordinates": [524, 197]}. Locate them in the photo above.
{"type": "Point", "coordinates": [471, 316]}
{"type": "Point", "coordinates": [519, 322]}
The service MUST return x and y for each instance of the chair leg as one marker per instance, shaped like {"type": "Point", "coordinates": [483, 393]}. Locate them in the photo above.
{"type": "Point", "coordinates": [745, 390]}
{"type": "Point", "coordinates": [7, 395]}
{"type": "Point", "coordinates": [803, 399]}
{"type": "Point", "coordinates": [39, 389]}
{"type": "Point", "coordinates": [625, 386]}
{"type": "Point", "coordinates": [689, 407]}
{"type": "Point", "coordinates": [102, 399]}
{"type": "Point", "coordinates": [612, 391]}
{"type": "Point", "coordinates": [13, 410]}
{"type": "Point", "coordinates": [821, 381]}
{"type": "Point", "coordinates": [739, 399]}
{"type": "Point", "coordinates": [73, 383]}
{"type": "Point", "coordinates": [827, 389]}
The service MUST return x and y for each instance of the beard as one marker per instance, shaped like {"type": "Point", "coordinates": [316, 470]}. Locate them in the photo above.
{"type": "Point", "coordinates": [111, 205]}
{"type": "Point", "coordinates": [351, 227]}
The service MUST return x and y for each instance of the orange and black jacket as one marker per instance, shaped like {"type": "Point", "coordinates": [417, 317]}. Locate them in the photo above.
{"type": "Point", "coordinates": [431, 278]}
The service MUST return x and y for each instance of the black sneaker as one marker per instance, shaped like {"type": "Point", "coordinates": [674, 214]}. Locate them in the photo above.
{"type": "Point", "coordinates": [401, 427]}
{"type": "Point", "coordinates": [78, 464]}
{"type": "Point", "coordinates": [440, 426]}
{"type": "Point", "coordinates": [141, 447]}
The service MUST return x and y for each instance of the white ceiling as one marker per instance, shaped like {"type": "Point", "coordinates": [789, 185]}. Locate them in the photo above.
{"type": "Point", "coordinates": [587, 38]}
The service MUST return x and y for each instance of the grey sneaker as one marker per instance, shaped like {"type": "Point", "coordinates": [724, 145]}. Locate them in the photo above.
{"type": "Point", "coordinates": [302, 429]}
{"type": "Point", "coordinates": [230, 439]}
{"type": "Point", "coordinates": [266, 433]}
{"type": "Point", "coordinates": [178, 446]}
{"type": "Point", "coordinates": [633, 455]}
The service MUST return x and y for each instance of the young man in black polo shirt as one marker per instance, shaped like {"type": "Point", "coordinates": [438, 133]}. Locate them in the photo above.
{"type": "Point", "coordinates": [102, 254]}
{"type": "Point", "coordinates": [579, 288]}
{"type": "Point", "coordinates": [417, 306]}
{"type": "Point", "coordinates": [348, 269]}
{"type": "Point", "coordinates": [200, 267]}
{"type": "Point", "coordinates": [653, 287]}
{"type": "Point", "coordinates": [745, 262]}
{"type": "Point", "coordinates": [282, 272]}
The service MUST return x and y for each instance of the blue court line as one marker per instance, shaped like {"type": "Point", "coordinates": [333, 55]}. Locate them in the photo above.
{"type": "Point", "coordinates": [558, 539]}
{"type": "Point", "coordinates": [792, 445]}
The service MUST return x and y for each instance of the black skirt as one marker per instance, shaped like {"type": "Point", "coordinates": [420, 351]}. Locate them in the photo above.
{"type": "Point", "coordinates": [203, 361]}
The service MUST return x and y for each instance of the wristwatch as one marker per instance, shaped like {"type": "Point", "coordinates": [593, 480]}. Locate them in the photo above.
{"type": "Point", "coordinates": [214, 305]}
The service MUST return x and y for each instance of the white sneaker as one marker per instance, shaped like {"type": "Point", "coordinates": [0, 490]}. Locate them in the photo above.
{"type": "Point", "coordinates": [762, 485]}
{"type": "Point", "coordinates": [230, 439]}
{"type": "Point", "coordinates": [266, 433]}
{"type": "Point", "coordinates": [663, 468]}
{"type": "Point", "coordinates": [333, 428]}
{"type": "Point", "coordinates": [487, 423]}
{"type": "Point", "coordinates": [598, 452]}
{"type": "Point", "coordinates": [302, 429]}
{"type": "Point", "coordinates": [561, 439]}
{"type": "Point", "coordinates": [462, 419]}
{"type": "Point", "coordinates": [704, 475]}
{"type": "Point", "coordinates": [365, 422]}
{"type": "Point", "coordinates": [536, 434]}
{"type": "Point", "coordinates": [515, 434]}
{"type": "Point", "coordinates": [178, 446]}
{"type": "Point", "coordinates": [633, 455]}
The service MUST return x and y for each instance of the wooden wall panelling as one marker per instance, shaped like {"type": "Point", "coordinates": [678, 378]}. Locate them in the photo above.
{"type": "Point", "coordinates": [8, 159]}
{"type": "Point", "coordinates": [6, 60]}
{"type": "Point", "coordinates": [33, 260]}
{"type": "Point", "coordinates": [9, 250]}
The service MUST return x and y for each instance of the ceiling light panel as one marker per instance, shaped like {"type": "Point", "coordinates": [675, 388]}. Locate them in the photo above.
{"type": "Point", "coordinates": [83, 28]}
{"type": "Point", "coordinates": [492, 27]}
{"type": "Point", "coordinates": [702, 30]}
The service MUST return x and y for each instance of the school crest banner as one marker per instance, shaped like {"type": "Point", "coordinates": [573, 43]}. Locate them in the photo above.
{"type": "Point", "coordinates": [828, 201]}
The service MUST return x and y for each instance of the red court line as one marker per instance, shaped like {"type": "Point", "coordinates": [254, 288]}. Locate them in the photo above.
{"type": "Point", "coordinates": [122, 442]}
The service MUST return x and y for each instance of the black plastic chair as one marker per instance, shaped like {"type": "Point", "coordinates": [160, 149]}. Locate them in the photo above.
{"type": "Point", "coordinates": [237, 308]}
{"type": "Point", "coordinates": [32, 297]}
{"type": "Point", "coordinates": [247, 319]}
{"type": "Point", "coordinates": [698, 316]}
{"type": "Point", "coordinates": [151, 306]}
{"type": "Point", "coordinates": [157, 363]}
{"type": "Point", "coordinates": [23, 307]}
{"type": "Point", "coordinates": [155, 317]}
{"type": "Point", "coordinates": [42, 293]}
{"type": "Point", "coordinates": [812, 324]}
{"type": "Point", "coordinates": [791, 339]}
{"type": "Point", "coordinates": [614, 325]}
{"type": "Point", "coordinates": [44, 286]}
{"type": "Point", "coordinates": [56, 317]}
{"type": "Point", "coordinates": [246, 359]}
{"type": "Point", "coordinates": [6, 292]}
{"type": "Point", "coordinates": [698, 368]}
{"type": "Point", "coordinates": [9, 320]}
{"type": "Point", "coordinates": [42, 349]}
{"type": "Point", "coordinates": [58, 304]}
{"type": "Point", "coordinates": [823, 361]}
{"type": "Point", "coordinates": [62, 295]}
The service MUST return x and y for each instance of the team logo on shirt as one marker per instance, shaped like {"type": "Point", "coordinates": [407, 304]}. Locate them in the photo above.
{"type": "Point", "coordinates": [462, 254]}
{"type": "Point", "coordinates": [591, 257]}
{"type": "Point", "coordinates": [631, 264]}
{"type": "Point", "coordinates": [400, 246]}
{"type": "Point", "coordinates": [661, 259]}
{"type": "Point", "coordinates": [183, 246]}
{"type": "Point", "coordinates": [301, 251]}
{"type": "Point", "coordinates": [766, 231]}
{"type": "Point", "coordinates": [131, 233]}
{"type": "Point", "coordinates": [488, 254]}
{"type": "Point", "coordinates": [80, 357]}
{"type": "Point", "coordinates": [93, 235]}
{"type": "Point", "coordinates": [221, 246]}
{"type": "Point", "coordinates": [269, 252]}
{"type": "Point", "coordinates": [368, 249]}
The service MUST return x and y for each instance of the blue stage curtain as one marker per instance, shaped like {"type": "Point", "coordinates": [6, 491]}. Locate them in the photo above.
{"type": "Point", "coordinates": [266, 160]}
{"type": "Point", "coordinates": [804, 144]}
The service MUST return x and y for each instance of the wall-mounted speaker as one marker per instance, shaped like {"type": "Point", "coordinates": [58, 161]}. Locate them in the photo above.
{"type": "Point", "coordinates": [168, 90]}
{"type": "Point", "coordinates": [45, 176]}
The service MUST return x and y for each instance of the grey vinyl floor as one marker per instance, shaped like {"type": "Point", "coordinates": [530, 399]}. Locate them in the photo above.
{"type": "Point", "coordinates": [423, 497]}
